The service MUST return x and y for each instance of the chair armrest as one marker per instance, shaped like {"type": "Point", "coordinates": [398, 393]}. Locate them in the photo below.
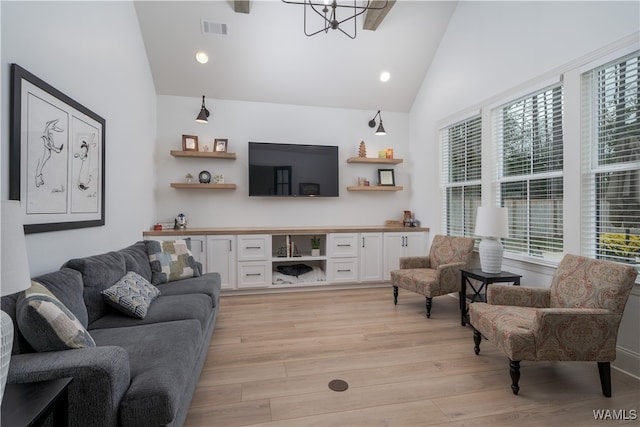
{"type": "Point", "coordinates": [449, 276]}
{"type": "Point", "coordinates": [101, 376]}
{"type": "Point", "coordinates": [414, 262]}
{"type": "Point", "coordinates": [582, 334]}
{"type": "Point", "coordinates": [521, 296]}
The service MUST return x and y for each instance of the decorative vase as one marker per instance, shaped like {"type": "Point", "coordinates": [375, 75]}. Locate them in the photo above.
{"type": "Point", "coordinates": [315, 252]}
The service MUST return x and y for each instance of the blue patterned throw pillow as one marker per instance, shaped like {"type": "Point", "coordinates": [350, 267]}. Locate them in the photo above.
{"type": "Point", "coordinates": [132, 295]}
{"type": "Point", "coordinates": [47, 324]}
{"type": "Point", "coordinates": [170, 260]}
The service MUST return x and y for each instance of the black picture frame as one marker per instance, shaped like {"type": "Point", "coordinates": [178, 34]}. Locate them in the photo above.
{"type": "Point", "coordinates": [386, 177]}
{"type": "Point", "coordinates": [56, 157]}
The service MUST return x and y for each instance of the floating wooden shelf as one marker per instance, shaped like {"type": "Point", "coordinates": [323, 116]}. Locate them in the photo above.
{"type": "Point", "coordinates": [204, 154]}
{"type": "Point", "coordinates": [374, 188]}
{"type": "Point", "coordinates": [204, 186]}
{"type": "Point", "coordinates": [374, 160]}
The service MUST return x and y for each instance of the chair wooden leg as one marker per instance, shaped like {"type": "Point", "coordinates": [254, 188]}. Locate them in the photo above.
{"type": "Point", "coordinates": [514, 371]}
{"type": "Point", "coordinates": [477, 338]}
{"type": "Point", "coordinates": [428, 304]}
{"type": "Point", "coordinates": [395, 295]}
{"type": "Point", "coordinates": [604, 369]}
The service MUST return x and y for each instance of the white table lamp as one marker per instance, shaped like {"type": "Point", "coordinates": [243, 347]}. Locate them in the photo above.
{"type": "Point", "coordinates": [14, 276]}
{"type": "Point", "coordinates": [492, 223]}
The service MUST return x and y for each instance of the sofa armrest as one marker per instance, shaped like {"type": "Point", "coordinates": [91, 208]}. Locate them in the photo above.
{"type": "Point", "coordinates": [583, 334]}
{"type": "Point", "coordinates": [521, 296]}
{"type": "Point", "coordinates": [414, 262]}
{"type": "Point", "coordinates": [101, 377]}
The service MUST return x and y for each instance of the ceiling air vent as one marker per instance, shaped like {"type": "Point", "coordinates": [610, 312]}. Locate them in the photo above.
{"type": "Point", "coordinates": [210, 27]}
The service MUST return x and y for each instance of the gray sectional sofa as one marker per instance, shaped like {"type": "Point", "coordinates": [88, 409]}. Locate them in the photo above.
{"type": "Point", "coordinates": [141, 372]}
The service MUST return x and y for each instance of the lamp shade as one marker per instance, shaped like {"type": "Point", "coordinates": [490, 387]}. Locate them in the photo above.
{"type": "Point", "coordinates": [492, 221]}
{"type": "Point", "coordinates": [14, 267]}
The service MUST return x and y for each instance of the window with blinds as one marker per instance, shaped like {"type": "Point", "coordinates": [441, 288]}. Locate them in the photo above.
{"type": "Point", "coordinates": [461, 146]}
{"type": "Point", "coordinates": [611, 161]}
{"type": "Point", "coordinates": [529, 138]}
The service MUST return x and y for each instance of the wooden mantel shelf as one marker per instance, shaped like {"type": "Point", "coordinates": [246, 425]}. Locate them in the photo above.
{"type": "Point", "coordinates": [182, 185]}
{"type": "Point", "coordinates": [374, 188]}
{"type": "Point", "coordinates": [204, 154]}
{"type": "Point", "coordinates": [374, 160]}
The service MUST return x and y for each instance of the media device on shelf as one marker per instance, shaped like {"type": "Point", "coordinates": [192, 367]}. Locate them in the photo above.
{"type": "Point", "coordinates": [293, 170]}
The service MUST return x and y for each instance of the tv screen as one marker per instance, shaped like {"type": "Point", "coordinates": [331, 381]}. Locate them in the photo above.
{"type": "Point", "coordinates": [293, 170]}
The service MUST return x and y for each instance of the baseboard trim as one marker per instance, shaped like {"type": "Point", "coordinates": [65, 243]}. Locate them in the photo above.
{"type": "Point", "coordinates": [627, 362]}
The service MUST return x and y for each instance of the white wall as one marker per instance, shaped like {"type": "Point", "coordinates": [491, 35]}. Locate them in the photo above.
{"type": "Point", "coordinates": [494, 47]}
{"type": "Point", "coordinates": [92, 52]}
{"type": "Point", "coordinates": [242, 122]}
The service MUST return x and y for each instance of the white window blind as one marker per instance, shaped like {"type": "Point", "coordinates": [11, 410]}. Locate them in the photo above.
{"type": "Point", "coordinates": [611, 161]}
{"type": "Point", "coordinates": [529, 137]}
{"type": "Point", "coordinates": [461, 145]}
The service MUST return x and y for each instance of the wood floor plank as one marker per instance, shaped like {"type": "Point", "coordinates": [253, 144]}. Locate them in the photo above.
{"type": "Point", "coordinates": [272, 356]}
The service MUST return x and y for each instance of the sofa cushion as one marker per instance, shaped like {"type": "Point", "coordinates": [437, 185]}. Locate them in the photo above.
{"type": "Point", "coordinates": [66, 284]}
{"type": "Point", "coordinates": [163, 309]}
{"type": "Point", "coordinates": [98, 273]}
{"type": "Point", "coordinates": [47, 324]}
{"type": "Point", "coordinates": [136, 259]}
{"type": "Point", "coordinates": [132, 295]}
{"type": "Point", "coordinates": [208, 284]}
{"type": "Point", "coordinates": [162, 358]}
{"type": "Point", "coordinates": [170, 260]}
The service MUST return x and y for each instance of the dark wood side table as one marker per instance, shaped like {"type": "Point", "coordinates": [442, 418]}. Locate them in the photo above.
{"type": "Point", "coordinates": [29, 404]}
{"type": "Point", "coordinates": [485, 280]}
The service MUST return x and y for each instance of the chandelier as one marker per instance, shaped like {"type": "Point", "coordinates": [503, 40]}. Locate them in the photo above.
{"type": "Point", "coordinates": [334, 14]}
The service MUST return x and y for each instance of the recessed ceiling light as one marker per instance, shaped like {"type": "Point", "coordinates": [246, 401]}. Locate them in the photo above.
{"type": "Point", "coordinates": [385, 76]}
{"type": "Point", "coordinates": [202, 57]}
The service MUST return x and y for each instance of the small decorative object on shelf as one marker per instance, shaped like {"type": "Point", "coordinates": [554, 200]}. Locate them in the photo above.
{"type": "Point", "coordinates": [221, 145]}
{"type": "Point", "coordinates": [189, 143]}
{"type": "Point", "coordinates": [204, 177]}
{"type": "Point", "coordinates": [157, 227]}
{"type": "Point", "coordinates": [180, 222]}
{"type": "Point", "coordinates": [282, 252]}
{"type": "Point", "coordinates": [189, 178]}
{"type": "Point", "coordinates": [389, 154]}
{"type": "Point", "coordinates": [315, 246]}
{"type": "Point", "coordinates": [362, 150]}
{"type": "Point", "coordinates": [218, 178]}
{"type": "Point", "coordinates": [382, 154]}
{"type": "Point", "coordinates": [363, 182]}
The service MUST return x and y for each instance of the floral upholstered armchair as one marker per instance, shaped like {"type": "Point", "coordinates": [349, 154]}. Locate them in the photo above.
{"type": "Point", "coordinates": [436, 274]}
{"type": "Point", "coordinates": [576, 319]}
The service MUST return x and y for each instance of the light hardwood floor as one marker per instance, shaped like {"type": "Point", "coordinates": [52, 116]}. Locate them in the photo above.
{"type": "Point", "coordinates": [272, 357]}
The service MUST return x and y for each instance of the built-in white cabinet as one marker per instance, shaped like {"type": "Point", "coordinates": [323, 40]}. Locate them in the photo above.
{"type": "Point", "coordinates": [343, 257]}
{"type": "Point", "coordinates": [221, 258]}
{"type": "Point", "coordinates": [371, 257]}
{"type": "Point", "coordinates": [269, 259]}
{"type": "Point", "coordinates": [402, 244]}
{"type": "Point", "coordinates": [254, 261]}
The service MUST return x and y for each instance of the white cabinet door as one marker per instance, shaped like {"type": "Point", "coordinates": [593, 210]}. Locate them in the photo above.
{"type": "Point", "coordinates": [401, 244]}
{"type": "Point", "coordinates": [221, 258]}
{"type": "Point", "coordinates": [198, 247]}
{"type": "Point", "coordinates": [254, 274]}
{"type": "Point", "coordinates": [371, 260]}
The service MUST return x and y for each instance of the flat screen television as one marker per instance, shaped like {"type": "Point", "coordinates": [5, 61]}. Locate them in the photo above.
{"type": "Point", "coordinates": [293, 170]}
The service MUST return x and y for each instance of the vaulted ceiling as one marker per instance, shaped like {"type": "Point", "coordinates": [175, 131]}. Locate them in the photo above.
{"type": "Point", "coordinates": [266, 57]}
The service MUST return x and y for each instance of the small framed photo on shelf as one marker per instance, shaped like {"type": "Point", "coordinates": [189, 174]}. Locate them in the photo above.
{"type": "Point", "coordinates": [189, 143]}
{"type": "Point", "coordinates": [220, 145]}
{"type": "Point", "coordinates": [386, 177]}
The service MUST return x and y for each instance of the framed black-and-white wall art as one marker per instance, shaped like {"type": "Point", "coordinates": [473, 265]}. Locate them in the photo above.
{"type": "Point", "coordinates": [56, 157]}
